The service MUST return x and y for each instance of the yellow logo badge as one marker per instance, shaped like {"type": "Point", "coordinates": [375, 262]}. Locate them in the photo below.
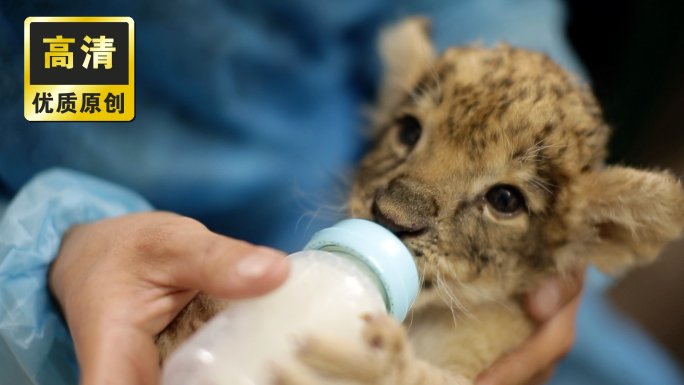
{"type": "Point", "coordinates": [79, 69]}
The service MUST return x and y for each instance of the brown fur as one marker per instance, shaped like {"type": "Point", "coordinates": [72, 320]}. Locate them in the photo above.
{"type": "Point", "coordinates": [490, 117]}
{"type": "Point", "coordinates": [192, 317]}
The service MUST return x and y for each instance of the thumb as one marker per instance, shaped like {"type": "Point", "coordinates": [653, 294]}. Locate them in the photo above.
{"type": "Point", "coordinates": [554, 294]}
{"type": "Point", "coordinates": [224, 267]}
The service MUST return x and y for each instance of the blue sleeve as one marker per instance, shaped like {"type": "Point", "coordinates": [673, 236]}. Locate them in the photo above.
{"type": "Point", "coordinates": [533, 24]}
{"type": "Point", "coordinates": [35, 345]}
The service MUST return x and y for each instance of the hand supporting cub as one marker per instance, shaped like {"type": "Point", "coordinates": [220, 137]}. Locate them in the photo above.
{"type": "Point", "coordinates": [554, 304]}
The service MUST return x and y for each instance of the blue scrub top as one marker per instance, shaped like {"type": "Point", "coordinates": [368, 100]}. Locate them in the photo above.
{"type": "Point", "coordinates": [248, 118]}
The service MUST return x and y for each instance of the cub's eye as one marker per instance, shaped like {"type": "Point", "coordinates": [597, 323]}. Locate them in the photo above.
{"type": "Point", "coordinates": [505, 199]}
{"type": "Point", "coordinates": [409, 130]}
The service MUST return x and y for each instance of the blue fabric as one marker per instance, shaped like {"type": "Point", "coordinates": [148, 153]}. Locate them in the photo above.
{"type": "Point", "coordinates": [611, 350]}
{"type": "Point", "coordinates": [35, 346]}
{"type": "Point", "coordinates": [247, 114]}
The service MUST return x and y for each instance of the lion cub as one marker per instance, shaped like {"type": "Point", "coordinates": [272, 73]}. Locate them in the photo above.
{"type": "Point", "coordinates": [488, 163]}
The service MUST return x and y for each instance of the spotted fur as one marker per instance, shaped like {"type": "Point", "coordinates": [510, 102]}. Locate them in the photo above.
{"type": "Point", "coordinates": [490, 117]}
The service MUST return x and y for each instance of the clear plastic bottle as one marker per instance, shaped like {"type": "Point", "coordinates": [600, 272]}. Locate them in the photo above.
{"type": "Point", "coordinates": [353, 268]}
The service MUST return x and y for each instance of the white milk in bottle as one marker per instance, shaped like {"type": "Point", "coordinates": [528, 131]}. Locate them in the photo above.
{"type": "Point", "coordinates": [354, 268]}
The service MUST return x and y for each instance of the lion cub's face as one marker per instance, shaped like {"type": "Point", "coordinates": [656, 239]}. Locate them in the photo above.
{"type": "Point", "coordinates": [483, 166]}
{"type": "Point", "coordinates": [472, 167]}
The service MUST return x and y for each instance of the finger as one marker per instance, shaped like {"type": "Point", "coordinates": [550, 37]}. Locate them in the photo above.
{"type": "Point", "coordinates": [544, 376]}
{"type": "Point", "coordinates": [549, 344]}
{"type": "Point", "coordinates": [233, 270]}
{"type": "Point", "coordinates": [553, 294]}
{"type": "Point", "coordinates": [184, 254]}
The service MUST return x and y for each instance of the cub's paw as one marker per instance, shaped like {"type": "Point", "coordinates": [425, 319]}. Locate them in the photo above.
{"type": "Point", "coordinates": [384, 357]}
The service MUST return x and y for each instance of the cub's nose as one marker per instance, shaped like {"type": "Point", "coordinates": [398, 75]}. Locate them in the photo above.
{"type": "Point", "coordinates": [404, 207]}
{"type": "Point", "coordinates": [391, 225]}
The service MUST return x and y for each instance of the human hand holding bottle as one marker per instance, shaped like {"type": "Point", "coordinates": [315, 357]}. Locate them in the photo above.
{"type": "Point", "coordinates": [121, 281]}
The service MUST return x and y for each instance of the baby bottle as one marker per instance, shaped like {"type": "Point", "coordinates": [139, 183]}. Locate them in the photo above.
{"type": "Point", "coordinates": [354, 268]}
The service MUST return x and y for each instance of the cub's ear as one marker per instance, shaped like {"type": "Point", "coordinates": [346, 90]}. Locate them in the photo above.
{"type": "Point", "coordinates": [623, 217]}
{"type": "Point", "coordinates": [406, 51]}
